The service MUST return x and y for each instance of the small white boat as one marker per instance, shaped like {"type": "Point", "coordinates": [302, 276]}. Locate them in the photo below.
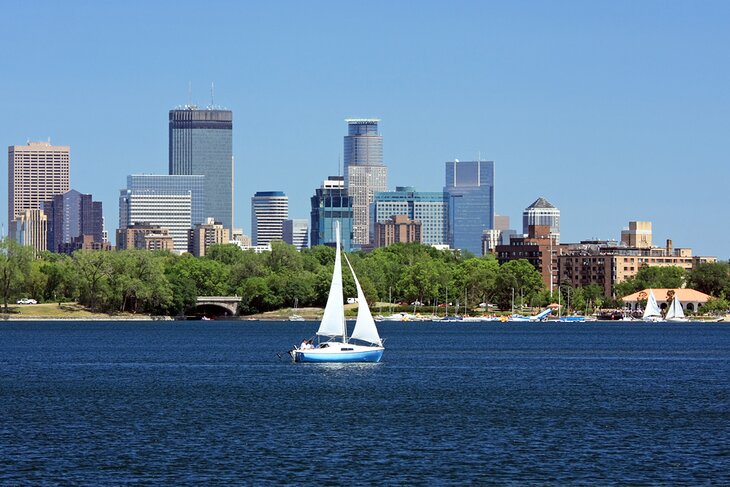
{"type": "Point", "coordinates": [675, 313]}
{"type": "Point", "coordinates": [652, 313]}
{"type": "Point", "coordinates": [364, 345]}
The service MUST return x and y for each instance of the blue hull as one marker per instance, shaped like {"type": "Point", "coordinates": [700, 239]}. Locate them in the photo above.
{"type": "Point", "coordinates": [342, 357]}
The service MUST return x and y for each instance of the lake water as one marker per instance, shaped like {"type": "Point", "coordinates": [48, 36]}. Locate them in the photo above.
{"type": "Point", "coordinates": [208, 403]}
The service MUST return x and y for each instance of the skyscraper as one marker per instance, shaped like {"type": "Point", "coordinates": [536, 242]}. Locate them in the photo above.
{"type": "Point", "coordinates": [201, 144]}
{"type": "Point", "coordinates": [295, 233]}
{"type": "Point", "coordinates": [171, 211]}
{"type": "Point", "coordinates": [331, 203]}
{"type": "Point", "coordinates": [269, 209]}
{"type": "Point", "coordinates": [543, 213]}
{"type": "Point", "coordinates": [161, 184]}
{"type": "Point", "coordinates": [72, 215]}
{"type": "Point", "coordinates": [30, 228]}
{"type": "Point", "coordinates": [469, 191]}
{"type": "Point", "coordinates": [365, 173]}
{"type": "Point", "coordinates": [36, 173]}
{"type": "Point", "coordinates": [428, 208]}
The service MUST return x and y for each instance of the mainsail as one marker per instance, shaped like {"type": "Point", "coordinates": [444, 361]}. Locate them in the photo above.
{"type": "Point", "coordinates": [675, 310]}
{"type": "Point", "coordinates": [333, 320]}
{"type": "Point", "coordinates": [365, 328]}
{"type": "Point", "coordinates": [652, 308]}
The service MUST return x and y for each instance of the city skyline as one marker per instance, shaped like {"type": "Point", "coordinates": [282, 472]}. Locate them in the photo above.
{"type": "Point", "coordinates": [611, 112]}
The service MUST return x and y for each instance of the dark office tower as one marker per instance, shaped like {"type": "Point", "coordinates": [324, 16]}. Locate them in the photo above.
{"type": "Point", "coordinates": [71, 216]}
{"type": "Point", "coordinates": [331, 203]}
{"type": "Point", "coordinates": [365, 173]}
{"type": "Point", "coordinates": [201, 144]}
{"type": "Point", "coordinates": [469, 191]}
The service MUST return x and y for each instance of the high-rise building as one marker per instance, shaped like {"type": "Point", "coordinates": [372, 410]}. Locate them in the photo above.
{"type": "Point", "coordinates": [269, 209]}
{"type": "Point", "coordinates": [170, 211]}
{"type": "Point", "coordinates": [71, 216]}
{"type": "Point", "coordinates": [469, 191]}
{"type": "Point", "coordinates": [428, 208]}
{"type": "Point", "coordinates": [365, 173]}
{"type": "Point", "coordinates": [201, 144]}
{"type": "Point", "coordinates": [331, 203]}
{"type": "Point", "coordinates": [145, 236]}
{"type": "Point", "coordinates": [36, 173]}
{"type": "Point", "coordinates": [295, 232]}
{"type": "Point", "coordinates": [30, 228]}
{"type": "Point", "coordinates": [206, 234]}
{"type": "Point", "coordinates": [173, 184]}
{"type": "Point", "coordinates": [542, 213]}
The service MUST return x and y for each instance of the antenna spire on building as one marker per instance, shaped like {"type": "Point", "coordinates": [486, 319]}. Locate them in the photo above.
{"type": "Point", "coordinates": [212, 93]}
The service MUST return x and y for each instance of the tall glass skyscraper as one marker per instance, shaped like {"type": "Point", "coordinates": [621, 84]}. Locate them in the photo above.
{"type": "Point", "coordinates": [331, 203]}
{"type": "Point", "coordinates": [469, 191]}
{"type": "Point", "coordinates": [428, 208]}
{"type": "Point", "coordinates": [365, 173]}
{"type": "Point", "coordinates": [201, 144]}
{"type": "Point", "coordinates": [71, 215]}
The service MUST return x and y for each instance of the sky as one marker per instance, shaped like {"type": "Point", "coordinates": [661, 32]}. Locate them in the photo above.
{"type": "Point", "coordinates": [613, 111]}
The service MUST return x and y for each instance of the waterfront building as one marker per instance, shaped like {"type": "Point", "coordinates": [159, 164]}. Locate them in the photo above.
{"type": "Point", "coordinates": [170, 211]}
{"type": "Point", "coordinates": [428, 208]}
{"type": "Point", "coordinates": [200, 143]}
{"type": "Point", "coordinates": [30, 228]}
{"type": "Point", "coordinates": [203, 235]}
{"type": "Point", "coordinates": [71, 216]}
{"type": "Point", "coordinates": [607, 263]}
{"type": "Point", "coordinates": [269, 209]}
{"type": "Point", "coordinates": [174, 184]}
{"type": "Point", "coordinates": [539, 247]}
{"type": "Point", "coordinates": [146, 237]}
{"type": "Point", "coordinates": [542, 213]}
{"type": "Point", "coordinates": [331, 202]}
{"type": "Point", "coordinates": [296, 233]}
{"type": "Point", "coordinates": [691, 299]}
{"type": "Point", "coordinates": [36, 173]}
{"type": "Point", "coordinates": [365, 173]}
{"type": "Point", "coordinates": [469, 191]}
{"type": "Point", "coordinates": [397, 229]}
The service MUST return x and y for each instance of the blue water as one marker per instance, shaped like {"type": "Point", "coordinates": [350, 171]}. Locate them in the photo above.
{"type": "Point", "coordinates": [210, 403]}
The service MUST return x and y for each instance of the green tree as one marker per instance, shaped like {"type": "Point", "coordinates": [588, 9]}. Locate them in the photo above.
{"type": "Point", "coordinates": [711, 278]}
{"type": "Point", "coordinates": [518, 278]}
{"type": "Point", "coordinates": [716, 307]}
{"type": "Point", "coordinates": [93, 269]}
{"type": "Point", "coordinates": [15, 263]}
{"type": "Point", "coordinates": [478, 276]}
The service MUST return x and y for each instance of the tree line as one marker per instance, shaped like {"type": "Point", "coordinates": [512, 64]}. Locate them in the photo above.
{"type": "Point", "coordinates": [162, 283]}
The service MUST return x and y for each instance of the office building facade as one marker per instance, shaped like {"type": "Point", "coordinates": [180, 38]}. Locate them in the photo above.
{"type": "Point", "coordinates": [269, 209]}
{"type": "Point", "coordinates": [30, 228]}
{"type": "Point", "coordinates": [397, 229]}
{"type": "Point", "coordinates": [200, 143]}
{"type": "Point", "coordinates": [173, 184]}
{"type": "Point", "coordinates": [203, 235]}
{"type": "Point", "coordinates": [331, 203]}
{"type": "Point", "coordinates": [469, 192]}
{"type": "Point", "coordinates": [71, 216]}
{"type": "Point", "coordinates": [365, 173]}
{"type": "Point", "coordinates": [427, 208]}
{"type": "Point", "coordinates": [542, 213]}
{"type": "Point", "coordinates": [170, 211]}
{"type": "Point", "coordinates": [37, 172]}
{"type": "Point", "coordinates": [296, 233]}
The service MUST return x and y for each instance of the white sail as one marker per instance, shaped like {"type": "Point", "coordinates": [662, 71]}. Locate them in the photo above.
{"type": "Point", "coordinates": [675, 310]}
{"type": "Point", "coordinates": [652, 308]}
{"type": "Point", "coordinates": [365, 328]}
{"type": "Point", "coordinates": [333, 320]}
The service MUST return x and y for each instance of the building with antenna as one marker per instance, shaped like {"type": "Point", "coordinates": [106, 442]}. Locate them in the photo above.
{"type": "Point", "coordinates": [365, 173]}
{"type": "Point", "coordinates": [200, 143]}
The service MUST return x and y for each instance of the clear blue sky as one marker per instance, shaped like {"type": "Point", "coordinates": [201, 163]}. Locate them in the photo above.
{"type": "Point", "coordinates": [613, 111]}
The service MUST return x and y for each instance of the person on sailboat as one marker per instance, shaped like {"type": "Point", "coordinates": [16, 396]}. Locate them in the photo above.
{"type": "Point", "coordinates": [304, 344]}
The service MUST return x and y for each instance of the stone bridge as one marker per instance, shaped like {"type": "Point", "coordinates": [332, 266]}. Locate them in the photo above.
{"type": "Point", "coordinates": [218, 305]}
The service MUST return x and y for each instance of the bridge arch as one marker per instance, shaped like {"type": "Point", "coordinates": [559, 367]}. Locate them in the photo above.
{"type": "Point", "coordinates": [217, 305]}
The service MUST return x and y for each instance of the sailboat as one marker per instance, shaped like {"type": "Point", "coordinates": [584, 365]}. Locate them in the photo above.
{"type": "Point", "coordinates": [364, 345]}
{"type": "Point", "coordinates": [652, 311]}
{"type": "Point", "coordinates": [675, 312]}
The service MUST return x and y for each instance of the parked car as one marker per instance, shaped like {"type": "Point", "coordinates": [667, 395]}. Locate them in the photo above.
{"type": "Point", "coordinates": [27, 301]}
